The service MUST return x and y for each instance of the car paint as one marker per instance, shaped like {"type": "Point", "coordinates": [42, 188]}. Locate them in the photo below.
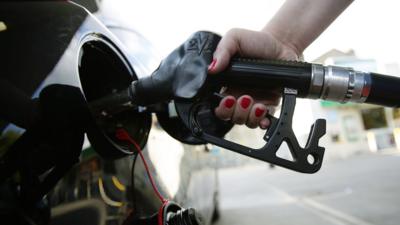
{"type": "Point", "coordinates": [44, 50]}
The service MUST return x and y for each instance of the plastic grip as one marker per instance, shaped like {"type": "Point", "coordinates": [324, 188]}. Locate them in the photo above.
{"type": "Point", "coordinates": [385, 90]}
{"type": "Point", "coordinates": [264, 74]}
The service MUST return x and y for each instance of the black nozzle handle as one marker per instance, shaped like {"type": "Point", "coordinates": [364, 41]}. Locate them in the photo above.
{"type": "Point", "coordinates": [385, 90]}
{"type": "Point", "coordinates": [181, 74]}
{"type": "Point", "coordinates": [264, 74]}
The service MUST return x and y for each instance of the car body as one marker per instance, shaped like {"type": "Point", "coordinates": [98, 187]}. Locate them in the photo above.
{"type": "Point", "coordinates": [62, 43]}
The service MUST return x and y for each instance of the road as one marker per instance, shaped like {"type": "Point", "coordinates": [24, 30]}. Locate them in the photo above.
{"type": "Point", "coordinates": [362, 190]}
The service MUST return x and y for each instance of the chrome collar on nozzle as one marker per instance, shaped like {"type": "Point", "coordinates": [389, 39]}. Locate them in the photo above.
{"type": "Point", "coordinates": [339, 84]}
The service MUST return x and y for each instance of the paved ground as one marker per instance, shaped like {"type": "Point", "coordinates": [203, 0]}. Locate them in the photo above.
{"type": "Point", "coordinates": [362, 190]}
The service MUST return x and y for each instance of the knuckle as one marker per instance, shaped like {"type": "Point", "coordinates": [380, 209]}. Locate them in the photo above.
{"type": "Point", "coordinates": [239, 119]}
{"type": "Point", "coordinates": [223, 114]}
{"type": "Point", "coordinates": [234, 33]}
{"type": "Point", "coordinates": [251, 125]}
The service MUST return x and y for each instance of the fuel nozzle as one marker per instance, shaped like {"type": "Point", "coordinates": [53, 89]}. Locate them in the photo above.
{"type": "Point", "coordinates": [182, 77]}
{"type": "Point", "coordinates": [114, 103]}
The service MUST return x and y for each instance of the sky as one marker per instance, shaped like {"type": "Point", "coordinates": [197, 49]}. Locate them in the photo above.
{"type": "Point", "coordinates": [371, 28]}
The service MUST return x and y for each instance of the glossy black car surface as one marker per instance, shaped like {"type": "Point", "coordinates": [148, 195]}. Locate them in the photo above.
{"type": "Point", "coordinates": [61, 44]}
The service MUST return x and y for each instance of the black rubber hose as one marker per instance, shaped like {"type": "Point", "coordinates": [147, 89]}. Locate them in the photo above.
{"type": "Point", "coordinates": [385, 90]}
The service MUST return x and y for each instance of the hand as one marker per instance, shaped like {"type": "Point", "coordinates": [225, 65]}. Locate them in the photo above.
{"type": "Point", "coordinates": [244, 106]}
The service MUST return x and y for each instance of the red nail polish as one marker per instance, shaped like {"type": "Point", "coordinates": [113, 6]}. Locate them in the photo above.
{"type": "Point", "coordinates": [259, 112]}
{"type": "Point", "coordinates": [212, 65]}
{"type": "Point", "coordinates": [229, 103]}
{"type": "Point", "coordinates": [245, 102]}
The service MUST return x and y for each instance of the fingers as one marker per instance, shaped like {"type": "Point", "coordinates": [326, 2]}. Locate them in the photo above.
{"type": "Point", "coordinates": [253, 44]}
{"type": "Point", "coordinates": [243, 111]}
{"type": "Point", "coordinates": [226, 107]}
{"type": "Point", "coordinates": [264, 123]}
{"type": "Point", "coordinates": [227, 47]}
{"type": "Point", "coordinates": [257, 113]}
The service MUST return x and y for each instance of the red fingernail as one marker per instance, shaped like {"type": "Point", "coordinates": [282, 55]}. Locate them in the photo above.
{"type": "Point", "coordinates": [259, 112]}
{"type": "Point", "coordinates": [245, 102]}
{"type": "Point", "coordinates": [229, 103]}
{"type": "Point", "coordinates": [212, 65]}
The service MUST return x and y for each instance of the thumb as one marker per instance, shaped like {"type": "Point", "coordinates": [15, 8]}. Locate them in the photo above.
{"type": "Point", "coordinates": [226, 49]}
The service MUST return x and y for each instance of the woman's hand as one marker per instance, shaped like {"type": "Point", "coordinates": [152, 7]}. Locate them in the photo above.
{"type": "Point", "coordinates": [243, 105]}
{"type": "Point", "coordinates": [294, 27]}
